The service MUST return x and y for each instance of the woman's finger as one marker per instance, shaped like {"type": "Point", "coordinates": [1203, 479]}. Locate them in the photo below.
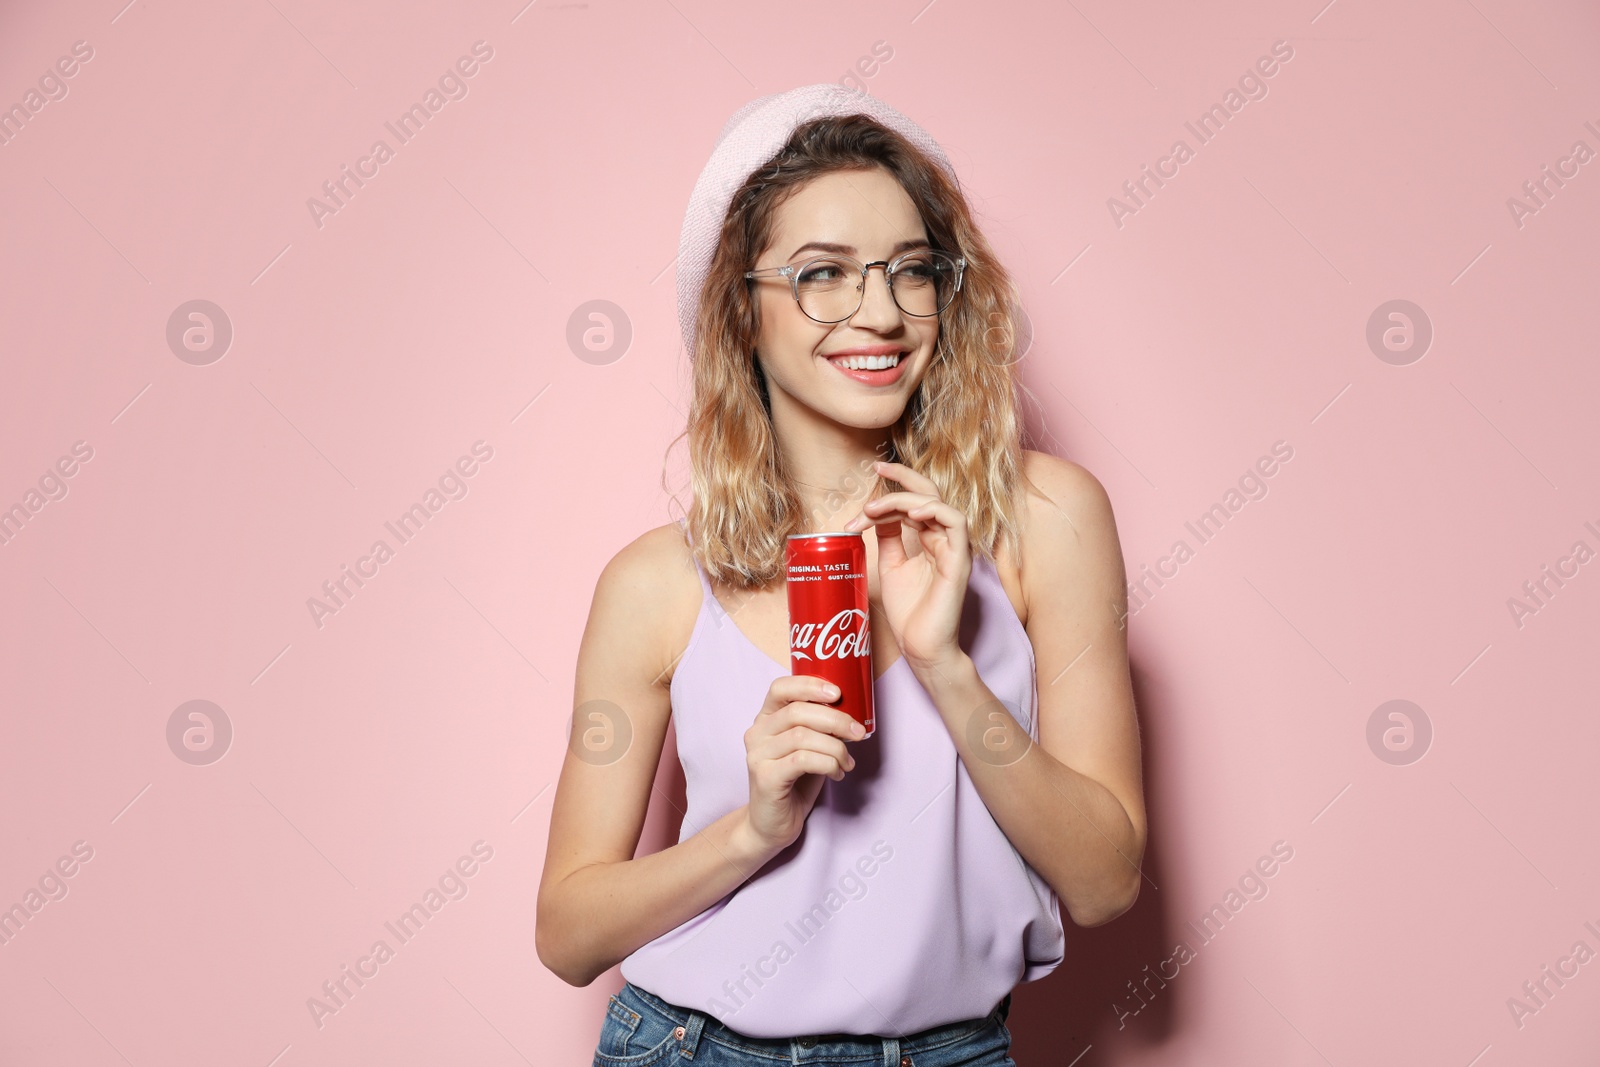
{"type": "Point", "coordinates": [891, 547]}
{"type": "Point", "coordinates": [884, 506]}
{"type": "Point", "coordinates": [779, 745]}
{"type": "Point", "coordinates": [789, 767]}
{"type": "Point", "coordinates": [904, 500]}
{"type": "Point", "coordinates": [916, 509]}
{"type": "Point", "coordinates": [907, 477]}
{"type": "Point", "coordinates": [954, 521]}
{"type": "Point", "coordinates": [944, 514]}
{"type": "Point", "coordinates": [938, 518]}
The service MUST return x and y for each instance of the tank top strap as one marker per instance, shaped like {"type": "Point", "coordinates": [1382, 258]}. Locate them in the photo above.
{"type": "Point", "coordinates": [705, 582]}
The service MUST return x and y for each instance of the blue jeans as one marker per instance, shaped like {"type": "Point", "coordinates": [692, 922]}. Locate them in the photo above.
{"type": "Point", "coordinates": [642, 1030]}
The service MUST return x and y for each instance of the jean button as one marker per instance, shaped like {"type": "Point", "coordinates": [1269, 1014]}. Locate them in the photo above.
{"type": "Point", "coordinates": [678, 1033]}
{"type": "Point", "coordinates": [808, 1042]}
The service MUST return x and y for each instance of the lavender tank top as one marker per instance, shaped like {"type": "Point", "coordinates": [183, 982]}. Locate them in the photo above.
{"type": "Point", "coordinates": [902, 905]}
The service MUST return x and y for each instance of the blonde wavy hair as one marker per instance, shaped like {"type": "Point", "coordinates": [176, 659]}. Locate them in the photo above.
{"type": "Point", "coordinates": [960, 428]}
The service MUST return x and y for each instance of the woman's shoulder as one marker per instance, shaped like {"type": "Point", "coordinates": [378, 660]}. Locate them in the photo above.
{"type": "Point", "coordinates": [1059, 479]}
{"type": "Point", "coordinates": [1063, 508]}
{"type": "Point", "coordinates": [653, 580]}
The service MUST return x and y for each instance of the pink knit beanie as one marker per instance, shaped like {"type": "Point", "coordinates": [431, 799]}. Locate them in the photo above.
{"type": "Point", "coordinates": [750, 138]}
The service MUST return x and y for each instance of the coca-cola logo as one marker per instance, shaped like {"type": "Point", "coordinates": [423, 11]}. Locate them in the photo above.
{"type": "Point", "coordinates": [844, 636]}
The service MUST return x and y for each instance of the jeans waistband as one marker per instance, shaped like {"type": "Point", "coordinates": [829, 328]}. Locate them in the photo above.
{"type": "Point", "coordinates": [922, 1040]}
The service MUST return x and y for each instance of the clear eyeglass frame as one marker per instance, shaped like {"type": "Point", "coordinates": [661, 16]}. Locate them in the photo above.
{"type": "Point", "coordinates": [792, 271]}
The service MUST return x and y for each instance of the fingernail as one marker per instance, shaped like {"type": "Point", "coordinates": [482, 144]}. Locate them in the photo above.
{"type": "Point", "coordinates": [832, 690]}
{"type": "Point", "coordinates": [858, 731]}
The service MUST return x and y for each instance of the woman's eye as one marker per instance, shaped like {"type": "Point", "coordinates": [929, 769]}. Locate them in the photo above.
{"type": "Point", "coordinates": [822, 272]}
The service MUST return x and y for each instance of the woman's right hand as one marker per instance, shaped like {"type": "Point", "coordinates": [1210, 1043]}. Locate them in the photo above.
{"type": "Point", "coordinates": [796, 740]}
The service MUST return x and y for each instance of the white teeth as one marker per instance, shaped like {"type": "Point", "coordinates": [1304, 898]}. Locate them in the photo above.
{"type": "Point", "coordinates": [869, 362]}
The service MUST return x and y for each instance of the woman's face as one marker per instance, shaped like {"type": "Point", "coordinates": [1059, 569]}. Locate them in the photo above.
{"type": "Point", "coordinates": [868, 216]}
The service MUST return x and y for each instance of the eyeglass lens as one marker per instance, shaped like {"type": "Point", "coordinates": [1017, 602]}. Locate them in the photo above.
{"type": "Point", "coordinates": [831, 287]}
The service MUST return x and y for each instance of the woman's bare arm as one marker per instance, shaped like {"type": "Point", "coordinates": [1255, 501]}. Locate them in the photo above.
{"type": "Point", "coordinates": [597, 903]}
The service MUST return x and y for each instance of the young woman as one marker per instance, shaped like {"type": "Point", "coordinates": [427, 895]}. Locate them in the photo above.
{"type": "Point", "coordinates": [833, 899]}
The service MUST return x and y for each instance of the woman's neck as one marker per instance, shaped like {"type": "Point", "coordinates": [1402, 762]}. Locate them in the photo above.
{"type": "Point", "coordinates": [832, 488]}
{"type": "Point", "coordinates": [829, 465]}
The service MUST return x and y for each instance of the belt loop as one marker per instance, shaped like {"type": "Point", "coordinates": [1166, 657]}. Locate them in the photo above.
{"type": "Point", "coordinates": [689, 1044]}
{"type": "Point", "coordinates": [891, 1052]}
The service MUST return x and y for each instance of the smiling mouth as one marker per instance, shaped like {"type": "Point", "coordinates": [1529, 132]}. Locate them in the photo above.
{"type": "Point", "coordinates": [883, 362]}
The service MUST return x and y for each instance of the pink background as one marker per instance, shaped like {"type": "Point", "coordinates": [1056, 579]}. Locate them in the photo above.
{"type": "Point", "coordinates": [368, 354]}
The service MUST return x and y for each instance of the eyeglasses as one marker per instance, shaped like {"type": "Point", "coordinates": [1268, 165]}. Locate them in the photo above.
{"type": "Point", "coordinates": [830, 288]}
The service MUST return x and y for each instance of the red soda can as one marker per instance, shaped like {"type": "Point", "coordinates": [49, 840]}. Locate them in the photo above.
{"type": "Point", "coordinates": [830, 635]}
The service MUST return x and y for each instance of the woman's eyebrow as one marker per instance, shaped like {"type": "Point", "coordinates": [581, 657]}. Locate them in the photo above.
{"type": "Point", "coordinates": [850, 250]}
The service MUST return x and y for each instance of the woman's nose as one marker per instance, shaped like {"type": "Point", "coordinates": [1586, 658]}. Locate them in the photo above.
{"type": "Point", "coordinates": [877, 300]}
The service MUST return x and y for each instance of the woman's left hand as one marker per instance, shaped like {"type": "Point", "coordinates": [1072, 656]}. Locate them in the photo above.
{"type": "Point", "coordinates": [922, 594]}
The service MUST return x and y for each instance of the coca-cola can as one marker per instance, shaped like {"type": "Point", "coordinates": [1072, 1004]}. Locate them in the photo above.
{"type": "Point", "coordinates": [830, 632]}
